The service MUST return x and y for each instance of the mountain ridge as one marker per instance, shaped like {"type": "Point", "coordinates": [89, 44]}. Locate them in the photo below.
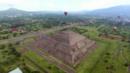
{"type": "Point", "coordinates": [112, 11]}
{"type": "Point", "coordinates": [123, 11]}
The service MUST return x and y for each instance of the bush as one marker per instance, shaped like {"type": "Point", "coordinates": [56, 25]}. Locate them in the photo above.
{"type": "Point", "coordinates": [2, 46]}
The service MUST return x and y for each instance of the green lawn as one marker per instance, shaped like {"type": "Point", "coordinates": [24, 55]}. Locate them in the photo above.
{"type": "Point", "coordinates": [88, 63]}
{"type": "Point", "coordinates": [8, 58]}
{"type": "Point", "coordinates": [111, 56]}
{"type": "Point", "coordinates": [41, 63]}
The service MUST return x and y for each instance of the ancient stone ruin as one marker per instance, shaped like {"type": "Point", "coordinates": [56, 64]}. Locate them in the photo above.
{"type": "Point", "coordinates": [67, 46]}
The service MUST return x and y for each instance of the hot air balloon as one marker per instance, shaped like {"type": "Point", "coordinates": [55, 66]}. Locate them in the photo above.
{"type": "Point", "coordinates": [65, 13]}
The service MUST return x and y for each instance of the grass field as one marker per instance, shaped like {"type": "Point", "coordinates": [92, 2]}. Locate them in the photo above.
{"type": "Point", "coordinates": [40, 64]}
{"type": "Point", "coordinates": [111, 56]}
{"type": "Point", "coordinates": [9, 57]}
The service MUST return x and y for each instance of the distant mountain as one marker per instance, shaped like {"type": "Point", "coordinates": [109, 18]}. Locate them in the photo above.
{"type": "Point", "coordinates": [123, 11]}
{"type": "Point", "coordinates": [12, 12]}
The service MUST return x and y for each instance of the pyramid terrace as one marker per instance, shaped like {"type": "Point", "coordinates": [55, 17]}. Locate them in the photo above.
{"type": "Point", "coordinates": [67, 46]}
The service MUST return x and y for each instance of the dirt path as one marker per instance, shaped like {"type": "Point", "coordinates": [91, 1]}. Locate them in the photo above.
{"type": "Point", "coordinates": [33, 34]}
{"type": "Point", "coordinates": [129, 69]}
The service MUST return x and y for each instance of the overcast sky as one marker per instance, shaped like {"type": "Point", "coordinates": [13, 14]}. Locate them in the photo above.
{"type": "Point", "coordinates": [60, 5]}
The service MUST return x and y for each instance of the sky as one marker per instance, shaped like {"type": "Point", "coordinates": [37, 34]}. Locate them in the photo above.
{"type": "Point", "coordinates": [60, 5]}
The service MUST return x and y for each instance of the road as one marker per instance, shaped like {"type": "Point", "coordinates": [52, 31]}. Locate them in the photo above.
{"type": "Point", "coordinates": [33, 34]}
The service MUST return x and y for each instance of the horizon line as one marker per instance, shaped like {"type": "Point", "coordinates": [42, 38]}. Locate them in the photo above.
{"type": "Point", "coordinates": [15, 8]}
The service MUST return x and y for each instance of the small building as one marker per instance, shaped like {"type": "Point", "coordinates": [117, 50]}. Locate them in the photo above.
{"type": "Point", "coordinates": [14, 30]}
{"type": "Point", "coordinates": [67, 46]}
{"type": "Point", "coordinates": [17, 70]}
